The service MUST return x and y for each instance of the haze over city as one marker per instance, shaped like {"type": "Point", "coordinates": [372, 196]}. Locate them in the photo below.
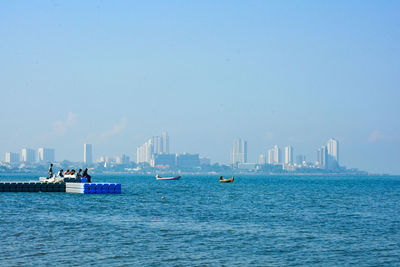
{"type": "Point", "coordinates": [114, 74]}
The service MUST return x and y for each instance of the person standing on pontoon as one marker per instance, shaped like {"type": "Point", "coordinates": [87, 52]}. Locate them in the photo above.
{"type": "Point", "coordinates": [51, 170]}
{"type": "Point", "coordinates": [86, 175]}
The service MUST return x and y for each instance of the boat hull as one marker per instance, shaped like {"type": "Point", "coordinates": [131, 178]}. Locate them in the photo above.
{"type": "Point", "coordinates": [168, 178]}
{"type": "Point", "coordinates": [227, 180]}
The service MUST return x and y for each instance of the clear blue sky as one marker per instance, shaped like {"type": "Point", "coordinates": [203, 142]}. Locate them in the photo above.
{"type": "Point", "coordinates": [114, 73]}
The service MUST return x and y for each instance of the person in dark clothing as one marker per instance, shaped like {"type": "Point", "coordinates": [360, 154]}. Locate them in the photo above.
{"type": "Point", "coordinates": [60, 173]}
{"type": "Point", "coordinates": [86, 175]}
{"type": "Point", "coordinates": [51, 170]}
{"type": "Point", "coordinates": [79, 174]}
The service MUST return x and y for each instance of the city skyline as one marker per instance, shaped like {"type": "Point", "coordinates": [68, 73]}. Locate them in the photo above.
{"type": "Point", "coordinates": [160, 145]}
{"type": "Point", "coordinates": [155, 152]}
{"type": "Point", "coordinates": [274, 73]}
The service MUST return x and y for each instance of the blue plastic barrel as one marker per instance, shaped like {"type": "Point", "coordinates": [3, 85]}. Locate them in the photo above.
{"type": "Point", "coordinates": [118, 188]}
{"type": "Point", "coordinates": [83, 180]}
{"type": "Point", "coordinates": [111, 189]}
{"type": "Point", "coordinates": [92, 188]}
{"type": "Point", "coordinates": [98, 188]}
{"type": "Point", "coordinates": [104, 188]}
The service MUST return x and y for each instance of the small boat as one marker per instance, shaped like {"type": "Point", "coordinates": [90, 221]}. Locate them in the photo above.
{"type": "Point", "coordinates": [222, 180]}
{"type": "Point", "coordinates": [168, 178]}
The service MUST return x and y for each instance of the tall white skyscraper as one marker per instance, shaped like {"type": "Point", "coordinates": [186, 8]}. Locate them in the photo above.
{"type": "Point", "coordinates": [157, 144]}
{"type": "Point", "coordinates": [288, 155]}
{"type": "Point", "coordinates": [275, 155]}
{"type": "Point", "coordinates": [28, 155]}
{"type": "Point", "coordinates": [271, 156]}
{"type": "Point", "coordinates": [87, 153]}
{"type": "Point", "coordinates": [322, 157]}
{"type": "Point", "coordinates": [12, 157]}
{"type": "Point", "coordinates": [333, 149]}
{"type": "Point", "coordinates": [333, 153]}
{"type": "Point", "coordinates": [145, 152]}
{"type": "Point", "coordinates": [165, 143]}
{"type": "Point", "coordinates": [239, 151]}
{"type": "Point", "coordinates": [46, 154]}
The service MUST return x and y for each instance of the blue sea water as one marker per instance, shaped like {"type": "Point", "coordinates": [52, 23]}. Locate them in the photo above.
{"type": "Point", "coordinates": [255, 221]}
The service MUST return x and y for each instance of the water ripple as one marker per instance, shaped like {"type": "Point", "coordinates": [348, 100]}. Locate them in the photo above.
{"type": "Point", "coordinates": [256, 221]}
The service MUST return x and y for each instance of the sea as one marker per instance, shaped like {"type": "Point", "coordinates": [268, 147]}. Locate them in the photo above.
{"type": "Point", "coordinates": [259, 220]}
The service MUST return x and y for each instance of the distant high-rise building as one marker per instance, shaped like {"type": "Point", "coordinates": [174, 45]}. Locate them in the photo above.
{"type": "Point", "coordinates": [165, 143]}
{"type": "Point", "coordinates": [28, 155]}
{"type": "Point", "coordinates": [154, 146]}
{"type": "Point", "coordinates": [239, 151]}
{"type": "Point", "coordinates": [12, 157]}
{"type": "Point", "coordinates": [87, 153]}
{"type": "Point", "coordinates": [275, 155]}
{"type": "Point", "coordinates": [322, 157]}
{"type": "Point", "coordinates": [271, 156]}
{"type": "Point", "coordinates": [288, 155]}
{"type": "Point", "coordinates": [139, 155]}
{"type": "Point", "coordinates": [157, 144]}
{"type": "Point", "coordinates": [145, 152]}
{"type": "Point", "coordinates": [160, 144]}
{"type": "Point", "coordinates": [333, 153]}
{"type": "Point", "coordinates": [46, 154]}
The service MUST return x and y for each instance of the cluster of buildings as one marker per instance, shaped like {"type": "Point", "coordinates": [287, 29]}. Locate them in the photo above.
{"type": "Point", "coordinates": [124, 159]}
{"type": "Point", "coordinates": [157, 145]}
{"type": "Point", "coordinates": [43, 155]}
{"type": "Point", "coordinates": [327, 157]}
{"type": "Point", "coordinates": [104, 160]}
{"type": "Point", "coordinates": [155, 153]}
{"type": "Point", "coordinates": [28, 155]}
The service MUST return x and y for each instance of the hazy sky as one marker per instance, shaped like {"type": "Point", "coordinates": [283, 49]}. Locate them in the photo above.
{"type": "Point", "coordinates": [114, 73]}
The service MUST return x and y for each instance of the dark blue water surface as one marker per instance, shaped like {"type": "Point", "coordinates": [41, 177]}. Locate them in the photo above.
{"type": "Point", "coordinates": [257, 220]}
